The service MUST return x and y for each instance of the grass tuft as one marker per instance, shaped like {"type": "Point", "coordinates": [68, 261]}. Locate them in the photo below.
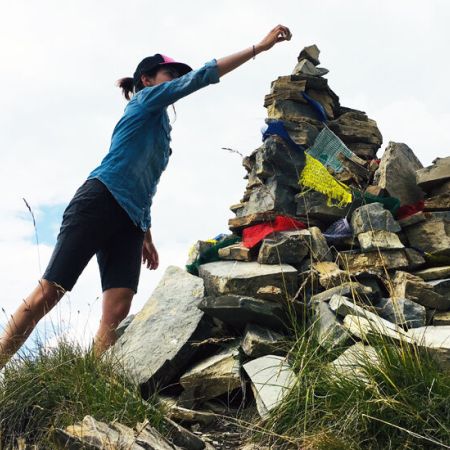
{"type": "Point", "coordinates": [58, 387]}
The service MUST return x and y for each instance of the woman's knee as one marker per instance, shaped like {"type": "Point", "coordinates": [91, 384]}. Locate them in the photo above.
{"type": "Point", "coordinates": [117, 303]}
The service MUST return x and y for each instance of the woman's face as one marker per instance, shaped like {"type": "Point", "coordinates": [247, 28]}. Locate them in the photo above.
{"type": "Point", "coordinates": [161, 76]}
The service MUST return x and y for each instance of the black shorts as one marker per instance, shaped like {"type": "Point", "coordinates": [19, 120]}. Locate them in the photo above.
{"type": "Point", "coordinates": [94, 223]}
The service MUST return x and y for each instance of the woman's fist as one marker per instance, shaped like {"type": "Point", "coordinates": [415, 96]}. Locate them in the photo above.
{"type": "Point", "coordinates": [278, 34]}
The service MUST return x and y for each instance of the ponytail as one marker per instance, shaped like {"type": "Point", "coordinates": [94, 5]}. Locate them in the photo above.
{"type": "Point", "coordinates": [127, 86]}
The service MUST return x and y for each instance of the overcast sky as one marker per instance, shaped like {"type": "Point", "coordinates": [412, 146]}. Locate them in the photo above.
{"type": "Point", "coordinates": [59, 63]}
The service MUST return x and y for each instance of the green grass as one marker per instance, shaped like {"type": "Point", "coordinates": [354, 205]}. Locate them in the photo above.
{"type": "Point", "coordinates": [58, 387]}
{"type": "Point", "coordinates": [400, 403]}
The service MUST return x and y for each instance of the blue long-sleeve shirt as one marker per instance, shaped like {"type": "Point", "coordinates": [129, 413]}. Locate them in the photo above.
{"type": "Point", "coordinates": [140, 150]}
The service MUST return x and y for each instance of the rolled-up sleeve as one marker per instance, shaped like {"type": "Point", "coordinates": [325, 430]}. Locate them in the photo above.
{"type": "Point", "coordinates": [164, 94]}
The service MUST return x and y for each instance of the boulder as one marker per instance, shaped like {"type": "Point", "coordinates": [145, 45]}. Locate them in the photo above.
{"type": "Point", "coordinates": [96, 435]}
{"type": "Point", "coordinates": [380, 239]}
{"type": "Point", "coordinates": [402, 311]}
{"type": "Point", "coordinates": [350, 289]}
{"type": "Point", "coordinates": [238, 310]}
{"type": "Point", "coordinates": [434, 273]}
{"type": "Point", "coordinates": [259, 341]}
{"type": "Point", "coordinates": [212, 377]}
{"type": "Point", "coordinates": [352, 362]}
{"type": "Point", "coordinates": [373, 217]}
{"type": "Point", "coordinates": [329, 331]}
{"type": "Point", "coordinates": [271, 379]}
{"type": "Point", "coordinates": [406, 285]}
{"type": "Point", "coordinates": [353, 261]}
{"type": "Point", "coordinates": [397, 173]}
{"type": "Point", "coordinates": [156, 345]}
{"type": "Point", "coordinates": [286, 247]}
{"type": "Point", "coordinates": [430, 177]}
{"type": "Point", "coordinates": [429, 236]}
{"type": "Point", "coordinates": [245, 278]}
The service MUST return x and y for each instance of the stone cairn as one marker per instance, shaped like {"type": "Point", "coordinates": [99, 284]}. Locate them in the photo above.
{"type": "Point", "coordinates": [377, 264]}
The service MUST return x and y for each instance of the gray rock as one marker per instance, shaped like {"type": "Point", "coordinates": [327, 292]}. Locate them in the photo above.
{"type": "Point", "coordinates": [271, 379]}
{"type": "Point", "coordinates": [434, 175]}
{"type": "Point", "coordinates": [186, 415]}
{"type": "Point", "coordinates": [429, 236]}
{"type": "Point", "coordinates": [440, 202]}
{"type": "Point", "coordinates": [245, 278]}
{"type": "Point", "coordinates": [442, 287]}
{"type": "Point", "coordinates": [434, 273]}
{"type": "Point", "coordinates": [92, 434]}
{"type": "Point", "coordinates": [124, 325]}
{"type": "Point", "coordinates": [311, 53]}
{"type": "Point", "coordinates": [305, 67]}
{"type": "Point", "coordinates": [329, 331]}
{"type": "Point", "coordinates": [238, 310]}
{"type": "Point", "coordinates": [436, 340]}
{"type": "Point", "coordinates": [406, 285]}
{"type": "Point", "coordinates": [259, 341]}
{"type": "Point", "coordinates": [373, 217]}
{"type": "Point", "coordinates": [287, 247]}
{"type": "Point", "coordinates": [355, 262]}
{"type": "Point", "coordinates": [212, 377]}
{"type": "Point", "coordinates": [155, 347]}
{"type": "Point", "coordinates": [182, 437]}
{"type": "Point", "coordinates": [397, 173]}
{"type": "Point", "coordinates": [352, 289]}
{"type": "Point", "coordinates": [441, 188]}
{"type": "Point", "coordinates": [313, 204]}
{"type": "Point", "coordinates": [380, 239]}
{"type": "Point", "coordinates": [403, 312]}
{"type": "Point", "coordinates": [441, 318]}
{"type": "Point", "coordinates": [352, 363]}
{"type": "Point", "coordinates": [319, 249]}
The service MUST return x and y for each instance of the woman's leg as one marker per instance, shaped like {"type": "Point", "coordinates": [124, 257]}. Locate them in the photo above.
{"type": "Point", "coordinates": [43, 298]}
{"type": "Point", "coordinates": [116, 306]}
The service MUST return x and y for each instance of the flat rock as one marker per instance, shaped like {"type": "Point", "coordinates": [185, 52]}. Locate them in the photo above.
{"type": "Point", "coordinates": [271, 380]}
{"type": "Point", "coordinates": [406, 285]}
{"type": "Point", "coordinates": [434, 273]}
{"type": "Point", "coordinates": [93, 434]}
{"type": "Point", "coordinates": [440, 189]}
{"type": "Point", "coordinates": [441, 318]}
{"type": "Point", "coordinates": [329, 331]}
{"type": "Point", "coordinates": [440, 202]}
{"type": "Point", "coordinates": [238, 310]}
{"type": "Point", "coordinates": [373, 217]}
{"type": "Point", "coordinates": [186, 415]}
{"type": "Point", "coordinates": [353, 261]}
{"type": "Point", "coordinates": [155, 347]}
{"type": "Point", "coordinates": [442, 287]}
{"type": "Point", "coordinates": [305, 67]}
{"type": "Point", "coordinates": [350, 289]}
{"type": "Point", "coordinates": [434, 175]}
{"type": "Point", "coordinates": [259, 341]}
{"type": "Point", "coordinates": [342, 306]}
{"type": "Point", "coordinates": [235, 252]}
{"type": "Point", "coordinates": [380, 239]}
{"type": "Point", "coordinates": [397, 173]}
{"type": "Point", "coordinates": [311, 53]}
{"type": "Point", "coordinates": [212, 377]}
{"type": "Point", "coordinates": [287, 247]}
{"type": "Point", "coordinates": [436, 340]}
{"type": "Point", "coordinates": [402, 311]}
{"type": "Point", "coordinates": [330, 275]}
{"type": "Point", "coordinates": [245, 278]}
{"type": "Point", "coordinates": [353, 361]}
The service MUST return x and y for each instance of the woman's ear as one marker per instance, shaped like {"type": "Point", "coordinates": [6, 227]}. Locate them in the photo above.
{"type": "Point", "coordinates": [147, 80]}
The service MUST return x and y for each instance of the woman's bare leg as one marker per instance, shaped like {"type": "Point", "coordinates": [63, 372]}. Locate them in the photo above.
{"type": "Point", "coordinates": [43, 298]}
{"type": "Point", "coordinates": [116, 306]}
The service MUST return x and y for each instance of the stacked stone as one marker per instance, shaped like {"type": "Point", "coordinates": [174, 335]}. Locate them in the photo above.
{"type": "Point", "coordinates": [201, 338]}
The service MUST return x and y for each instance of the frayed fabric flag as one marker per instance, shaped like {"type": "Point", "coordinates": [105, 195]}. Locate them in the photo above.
{"type": "Point", "coordinates": [256, 233]}
{"type": "Point", "coordinates": [316, 176]}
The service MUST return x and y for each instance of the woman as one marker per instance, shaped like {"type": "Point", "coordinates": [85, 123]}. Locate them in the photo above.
{"type": "Point", "coordinates": [110, 213]}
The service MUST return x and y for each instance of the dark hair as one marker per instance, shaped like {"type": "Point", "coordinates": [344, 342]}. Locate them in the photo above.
{"type": "Point", "coordinates": [127, 84]}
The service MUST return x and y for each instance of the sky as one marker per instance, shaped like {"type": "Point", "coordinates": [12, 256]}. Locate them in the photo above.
{"type": "Point", "coordinates": [59, 62]}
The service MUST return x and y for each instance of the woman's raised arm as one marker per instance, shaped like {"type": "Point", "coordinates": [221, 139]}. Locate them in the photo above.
{"type": "Point", "coordinates": [228, 63]}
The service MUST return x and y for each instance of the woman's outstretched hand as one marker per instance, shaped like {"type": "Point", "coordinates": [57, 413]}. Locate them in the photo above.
{"type": "Point", "coordinates": [278, 34]}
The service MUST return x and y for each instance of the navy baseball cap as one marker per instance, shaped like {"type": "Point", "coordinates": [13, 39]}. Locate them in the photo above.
{"type": "Point", "coordinates": [152, 62]}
